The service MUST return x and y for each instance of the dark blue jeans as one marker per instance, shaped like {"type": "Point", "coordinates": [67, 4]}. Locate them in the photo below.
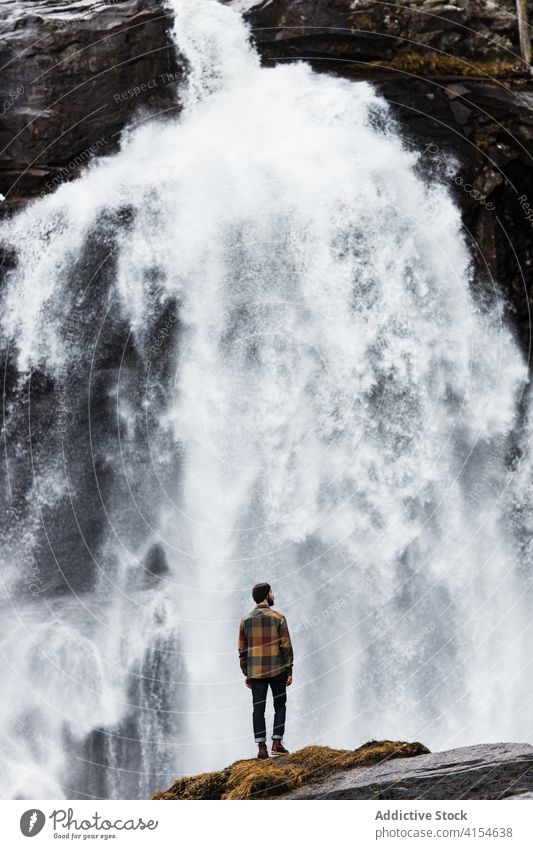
{"type": "Point", "coordinates": [278, 685]}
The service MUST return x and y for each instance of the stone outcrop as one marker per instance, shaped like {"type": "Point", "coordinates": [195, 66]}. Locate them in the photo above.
{"type": "Point", "coordinates": [265, 779]}
{"type": "Point", "coordinates": [385, 770]}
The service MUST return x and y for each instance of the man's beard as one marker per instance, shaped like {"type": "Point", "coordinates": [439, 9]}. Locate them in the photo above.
{"type": "Point", "coordinates": [270, 602]}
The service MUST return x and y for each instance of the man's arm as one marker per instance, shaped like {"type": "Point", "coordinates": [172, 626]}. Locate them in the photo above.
{"type": "Point", "coordinates": [285, 645]}
{"type": "Point", "coordinates": [243, 648]}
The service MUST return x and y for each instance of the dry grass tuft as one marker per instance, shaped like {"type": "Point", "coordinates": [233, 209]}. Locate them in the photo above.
{"type": "Point", "coordinates": [254, 779]}
{"type": "Point", "coordinates": [424, 64]}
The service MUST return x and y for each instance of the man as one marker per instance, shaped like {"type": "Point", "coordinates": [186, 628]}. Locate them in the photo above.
{"type": "Point", "coordinates": [266, 657]}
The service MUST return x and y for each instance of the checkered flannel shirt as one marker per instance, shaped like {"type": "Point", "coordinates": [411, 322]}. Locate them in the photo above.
{"type": "Point", "coordinates": [265, 646]}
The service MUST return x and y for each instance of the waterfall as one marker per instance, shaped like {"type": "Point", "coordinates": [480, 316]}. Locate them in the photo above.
{"type": "Point", "coordinates": [249, 347]}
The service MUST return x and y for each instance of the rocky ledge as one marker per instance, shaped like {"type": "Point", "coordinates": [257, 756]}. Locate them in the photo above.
{"type": "Point", "coordinates": [377, 770]}
{"type": "Point", "coordinates": [255, 779]}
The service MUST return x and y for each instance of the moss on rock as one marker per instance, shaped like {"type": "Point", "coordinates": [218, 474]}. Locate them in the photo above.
{"type": "Point", "coordinates": [437, 64]}
{"type": "Point", "coordinates": [255, 779]}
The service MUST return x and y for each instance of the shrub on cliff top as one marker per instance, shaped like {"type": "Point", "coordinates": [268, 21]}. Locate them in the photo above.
{"type": "Point", "coordinates": [255, 779]}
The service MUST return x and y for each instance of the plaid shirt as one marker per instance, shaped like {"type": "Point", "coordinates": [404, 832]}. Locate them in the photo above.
{"type": "Point", "coordinates": [265, 646]}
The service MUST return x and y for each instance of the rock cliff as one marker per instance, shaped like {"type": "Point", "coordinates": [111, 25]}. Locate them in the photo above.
{"type": "Point", "coordinates": [73, 75]}
{"type": "Point", "coordinates": [76, 73]}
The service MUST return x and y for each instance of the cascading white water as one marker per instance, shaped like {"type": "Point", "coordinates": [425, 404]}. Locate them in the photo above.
{"type": "Point", "coordinates": [278, 372]}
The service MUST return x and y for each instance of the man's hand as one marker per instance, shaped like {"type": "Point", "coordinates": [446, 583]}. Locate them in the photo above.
{"type": "Point", "coordinates": [289, 680]}
{"type": "Point", "coordinates": [248, 682]}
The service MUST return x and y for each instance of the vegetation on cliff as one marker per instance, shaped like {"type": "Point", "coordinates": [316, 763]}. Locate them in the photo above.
{"type": "Point", "coordinates": [255, 779]}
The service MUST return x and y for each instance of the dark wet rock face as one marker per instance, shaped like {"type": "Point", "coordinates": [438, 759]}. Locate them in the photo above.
{"type": "Point", "coordinates": [491, 771]}
{"type": "Point", "coordinates": [367, 31]}
{"type": "Point", "coordinates": [74, 74]}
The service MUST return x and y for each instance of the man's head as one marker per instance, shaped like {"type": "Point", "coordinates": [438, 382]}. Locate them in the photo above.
{"type": "Point", "coordinates": [263, 592]}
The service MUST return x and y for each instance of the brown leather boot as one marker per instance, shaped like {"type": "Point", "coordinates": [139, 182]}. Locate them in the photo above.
{"type": "Point", "coordinates": [278, 749]}
{"type": "Point", "coordinates": [262, 753]}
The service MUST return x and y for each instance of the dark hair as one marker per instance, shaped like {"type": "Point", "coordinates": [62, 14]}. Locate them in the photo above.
{"type": "Point", "coordinates": [260, 592]}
